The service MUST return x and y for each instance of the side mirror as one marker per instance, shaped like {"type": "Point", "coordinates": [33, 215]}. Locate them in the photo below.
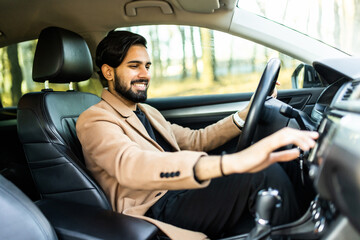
{"type": "Point", "coordinates": [305, 76]}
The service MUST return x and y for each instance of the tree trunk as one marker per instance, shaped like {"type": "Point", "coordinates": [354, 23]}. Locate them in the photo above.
{"type": "Point", "coordinates": [208, 76]}
{"type": "Point", "coordinates": [253, 59]}
{"type": "Point", "coordinates": [27, 51]}
{"type": "Point", "coordinates": [320, 19]}
{"type": "Point", "coordinates": [231, 59]}
{"type": "Point", "coordinates": [356, 31]}
{"type": "Point", "coordinates": [337, 29]}
{"type": "Point", "coordinates": [15, 72]}
{"type": "Point", "coordinates": [2, 74]}
{"type": "Point", "coordinates": [168, 47]}
{"type": "Point", "coordinates": [158, 56]}
{"type": "Point", "coordinates": [195, 72]}
{"type": "Point", "coordinates": [213, 58]}
{"type": "Point", "coordinates": [154, 41]}
{"type": "Point", "coordinates": [183, 40]}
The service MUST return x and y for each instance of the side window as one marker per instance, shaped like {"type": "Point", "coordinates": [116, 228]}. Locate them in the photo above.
{"type": "Point", "coordinates": [16, 63]}
{"type": "Point", "coordinates": [197, 61]}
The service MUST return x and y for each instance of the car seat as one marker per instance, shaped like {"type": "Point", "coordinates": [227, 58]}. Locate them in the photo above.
{"type": "Point", "coordinates": [71, 199]}
{"type": "Point", "coordinates": [19, 216]}
{"type": "Point", "coordinates": [21, 219]}
{"type": "Point", "coordinates": [47, 119]}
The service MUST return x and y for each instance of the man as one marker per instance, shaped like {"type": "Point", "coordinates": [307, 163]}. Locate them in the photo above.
{"type": "Point", "coordinates": [156, 170]}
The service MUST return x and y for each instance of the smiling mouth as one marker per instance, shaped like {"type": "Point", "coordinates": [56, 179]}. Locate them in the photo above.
{"type": "Point", "coordinates": [140, 85]}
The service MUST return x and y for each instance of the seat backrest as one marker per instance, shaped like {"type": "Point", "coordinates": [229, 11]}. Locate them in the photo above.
{"type": "Point", "coordinates": [47, 120]}
{"type": "Point", "coordinates": [19, 216]}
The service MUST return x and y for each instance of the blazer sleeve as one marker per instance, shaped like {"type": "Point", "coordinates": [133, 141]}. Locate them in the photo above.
{"type": "Point", "coordinates": [136, 164]}
{"type": "Point", "coordinates": [208, 138]}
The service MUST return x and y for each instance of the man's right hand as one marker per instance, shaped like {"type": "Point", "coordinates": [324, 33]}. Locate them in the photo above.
{"type": "Point", "coordinates": [261, 154]}
{"type": "Point", "coordinates": [258, 156]}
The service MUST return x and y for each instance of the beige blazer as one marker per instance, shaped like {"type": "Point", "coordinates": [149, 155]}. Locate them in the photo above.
{"type": "Point", "coordinates": [131, 167]}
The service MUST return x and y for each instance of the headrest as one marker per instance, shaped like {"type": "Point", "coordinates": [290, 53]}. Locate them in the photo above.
{"type": "Point", "coordinates": [61, 56]}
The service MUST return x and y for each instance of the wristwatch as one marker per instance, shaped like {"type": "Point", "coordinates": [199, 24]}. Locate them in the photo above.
{"type": "Point", "coordinates": [238, 121]}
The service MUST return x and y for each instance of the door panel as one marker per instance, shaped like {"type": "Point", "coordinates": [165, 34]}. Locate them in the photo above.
{"type": "Point", "coordinates": [199, 111]}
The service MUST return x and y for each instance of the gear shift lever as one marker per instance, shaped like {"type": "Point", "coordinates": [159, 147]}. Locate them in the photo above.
{"type": "Point", "coordinates": [266, 202]}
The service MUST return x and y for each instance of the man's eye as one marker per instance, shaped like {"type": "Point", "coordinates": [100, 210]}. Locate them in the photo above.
{"type": "Point", "coordinates": [133, 66]}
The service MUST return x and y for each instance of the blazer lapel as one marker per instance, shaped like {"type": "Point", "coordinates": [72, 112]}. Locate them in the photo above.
{"type": "Point", "coordinates": [157, 125]}
{"type": "Point", "coordinates": [129, 116]}
{"type": "Point", "coordinates": [134, 121]}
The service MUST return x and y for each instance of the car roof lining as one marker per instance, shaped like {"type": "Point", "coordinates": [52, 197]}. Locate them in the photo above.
{"type": "Point", "coordinates": [93, 19]}
{"type": "Point", "coordinates": [98, 16]}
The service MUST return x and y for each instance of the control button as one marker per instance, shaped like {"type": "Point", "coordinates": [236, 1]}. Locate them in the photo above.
{"type": "Point", "coordinates": [322, 225]}
{"type": "Point", "coordinates": [317, 216]}
{"type": "Point", "coordinates": [319, 225]}
{"type": "Point", "coordinates": [313, 212]}
{"type": "Point", "coordinates": [314, 205]}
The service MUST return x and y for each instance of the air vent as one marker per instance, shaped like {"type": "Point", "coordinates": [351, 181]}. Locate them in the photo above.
{"type": "Point", "coordinates": [350, 90]}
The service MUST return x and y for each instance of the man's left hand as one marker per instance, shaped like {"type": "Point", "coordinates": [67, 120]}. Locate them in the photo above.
{"type": "Point", "coordinates": [243, 113]}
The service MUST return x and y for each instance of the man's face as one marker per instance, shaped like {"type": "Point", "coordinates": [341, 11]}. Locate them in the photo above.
{"type": "Point", "coordinates": [132, 76]}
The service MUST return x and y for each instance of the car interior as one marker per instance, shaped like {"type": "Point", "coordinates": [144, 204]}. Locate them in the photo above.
{"type": "Point", "coordinates": [46, 191]}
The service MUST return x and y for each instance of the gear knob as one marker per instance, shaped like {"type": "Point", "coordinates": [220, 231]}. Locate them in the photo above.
{"type": "Point", "coordinates": [266, 202]}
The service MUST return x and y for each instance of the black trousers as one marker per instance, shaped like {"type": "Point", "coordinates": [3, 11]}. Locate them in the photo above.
{"type": "Point", "coordinates": [226, 206]}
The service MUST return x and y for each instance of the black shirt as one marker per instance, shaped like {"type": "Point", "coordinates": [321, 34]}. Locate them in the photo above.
{"type": "Point", "coordinates": [154, 134]}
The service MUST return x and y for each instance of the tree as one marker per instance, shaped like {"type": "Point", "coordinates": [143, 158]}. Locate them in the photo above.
{"type": "Point", "coordinates": [262, 9]}
{"type": "Point", "coordinates": [213, 58]}
{"type": "Point", "coordinates": [356, 31]}
{"type": "Point", "coordinates": [2, 74]}
{"type": "Point", "coordinates": [15, 72]}
{"type": "Point", "coordinates": [155, 46]}
{"type": "Point", "coordinates": [208, 74]}
{"type": "Point", "coordinates": [253, 59]}
{"type": "Point", "coordinates": [183, 40]}
{"type": "Point", "coordinates": [231, 58]}
{"type": "Point", "coordinates": [27, 51]}
{"type": "Point", "coordinates": [195, 72]}
{"type": "Point", "coordinates": [319, 18]}
{"type": "Point", "coordinates": [167, 43]}
{"type": "Point", "coordinates": [337, 23]}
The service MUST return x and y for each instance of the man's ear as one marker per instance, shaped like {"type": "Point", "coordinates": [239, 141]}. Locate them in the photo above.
{"type": "Point", "coordinates": [108, 72]}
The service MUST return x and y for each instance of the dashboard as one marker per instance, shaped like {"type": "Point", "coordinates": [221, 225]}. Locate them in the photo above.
{"type": "Point", "coordinates": [334, 163]}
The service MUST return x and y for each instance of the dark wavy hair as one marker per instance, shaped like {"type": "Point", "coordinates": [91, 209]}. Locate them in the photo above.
{"type": "Point", "coordinates": [114, 47]}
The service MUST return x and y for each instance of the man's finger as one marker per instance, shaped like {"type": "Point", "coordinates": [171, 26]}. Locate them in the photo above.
{"type": "Point", "coordinates": [285, 155]}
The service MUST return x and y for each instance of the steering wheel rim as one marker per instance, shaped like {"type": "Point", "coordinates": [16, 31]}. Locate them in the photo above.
{"type": "Point", "coordinates": [266, 84]}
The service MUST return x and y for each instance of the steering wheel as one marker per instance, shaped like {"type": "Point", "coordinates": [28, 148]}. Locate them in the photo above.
{"type": "Point", "coordinates": [266, 85]}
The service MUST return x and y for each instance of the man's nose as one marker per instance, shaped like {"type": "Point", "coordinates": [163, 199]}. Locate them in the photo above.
{"type": "Point", "coordinates": [144, 72]}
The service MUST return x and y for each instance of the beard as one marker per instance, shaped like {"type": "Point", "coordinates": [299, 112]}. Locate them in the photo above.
{"type": "Point", "coordinates": [129, 94]}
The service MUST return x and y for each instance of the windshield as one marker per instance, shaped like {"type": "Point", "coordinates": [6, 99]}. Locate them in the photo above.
{"type": "Point", "coordinates": [336, 23]}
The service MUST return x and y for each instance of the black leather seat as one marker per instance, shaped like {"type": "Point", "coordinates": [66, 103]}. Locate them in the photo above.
{"type": "Point", "coordinates": [46, 120]}
{"type": "Point", "coordinates": [70, 198]}
{"type": "Point", "coordinates": [19, 217]}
